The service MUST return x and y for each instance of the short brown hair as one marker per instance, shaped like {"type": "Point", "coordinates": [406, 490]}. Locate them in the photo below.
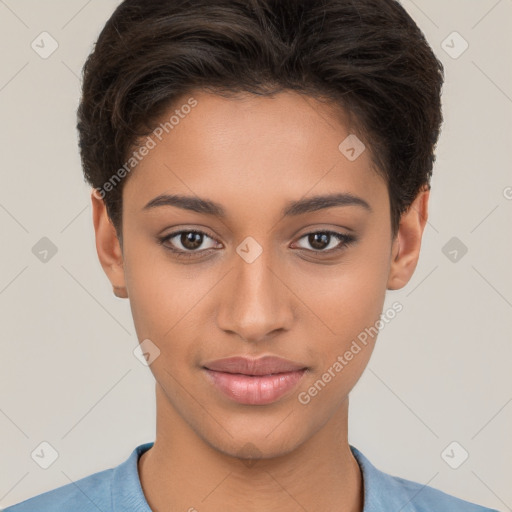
{"type": "Point", "coordinates": [366, 56]}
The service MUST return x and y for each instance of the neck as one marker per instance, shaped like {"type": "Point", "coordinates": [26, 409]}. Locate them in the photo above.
{"type": "Point", "coordinates": [182, 471]}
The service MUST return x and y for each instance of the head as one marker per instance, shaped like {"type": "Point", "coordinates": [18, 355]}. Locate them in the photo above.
{"type": "Point", "coordinates": [230, 120]}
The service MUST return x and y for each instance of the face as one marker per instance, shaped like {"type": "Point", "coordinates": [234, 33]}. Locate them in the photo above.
{"type": "Point", "coordinates": [255, 276]}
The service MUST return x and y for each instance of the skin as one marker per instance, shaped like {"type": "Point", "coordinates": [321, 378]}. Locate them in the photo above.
{"type": "Point", "coordinates": [253, 155]}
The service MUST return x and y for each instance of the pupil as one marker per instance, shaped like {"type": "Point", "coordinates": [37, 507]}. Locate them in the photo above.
{"type": "Point", "coordinates": [324, 240]}
{"type": "Point", "coordinates": [191, 240]}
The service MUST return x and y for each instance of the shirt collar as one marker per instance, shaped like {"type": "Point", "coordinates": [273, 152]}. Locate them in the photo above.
{"type": "Point", "coordinates": [126, 490]}
{"type": "Point", "coordinates": [381, 491]}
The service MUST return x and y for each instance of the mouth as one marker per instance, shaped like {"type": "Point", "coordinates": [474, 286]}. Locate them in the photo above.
{"type": "Point", "coordinates": [254, 382]}
{"type": "Point", "coordinates": [266, 365]}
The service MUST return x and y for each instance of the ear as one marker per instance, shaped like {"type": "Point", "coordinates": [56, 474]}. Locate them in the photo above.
{"type": "Point", "coordinates": [405, 251]}
{"type": "Point", "coordinates": [108, 246]}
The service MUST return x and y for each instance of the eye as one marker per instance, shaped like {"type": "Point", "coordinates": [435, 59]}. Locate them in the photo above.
{"type": "Point", "coordinates": [327, 241]}
{"type": "Point", "coordinates": [187, 243]}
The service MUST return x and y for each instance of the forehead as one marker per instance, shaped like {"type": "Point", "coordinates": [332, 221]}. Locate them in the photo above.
{"type": "Point", "coordinates": [264, 149]}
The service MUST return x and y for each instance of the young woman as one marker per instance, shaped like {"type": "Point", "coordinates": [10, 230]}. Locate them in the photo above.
{"type": "Point", "coordinates": [260, 174]}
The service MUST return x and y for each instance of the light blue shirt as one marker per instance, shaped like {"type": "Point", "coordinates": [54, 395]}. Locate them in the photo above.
{"type": "Point", "coordinates": [118, 490]}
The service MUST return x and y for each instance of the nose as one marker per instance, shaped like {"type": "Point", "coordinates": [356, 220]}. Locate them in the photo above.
{"type": "Point", "coordinates": [256, 302]}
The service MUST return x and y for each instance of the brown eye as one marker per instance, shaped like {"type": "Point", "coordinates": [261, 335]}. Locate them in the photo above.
{"type": "Point", "coordinates": [191, 240]}
{"type": "Point", "coordinates": [187, 241]}
{"type": "Point", "coordinates": [327, 241]}
{"type": "Point", "coordinates": [319, 240]}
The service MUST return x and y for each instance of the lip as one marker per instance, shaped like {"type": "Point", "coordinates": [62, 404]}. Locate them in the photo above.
{"type": "Point", "coordinates": [254, 381]}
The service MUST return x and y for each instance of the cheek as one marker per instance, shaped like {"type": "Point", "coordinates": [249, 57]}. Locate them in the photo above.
{"type": "Point", "coordinates": [350, 306]}
{"type": "Point", "coordinates": [154, 295]}
{"type": "Point", "coordinates": [349, 301]}
{"type": "Point", "coordinates": [350, 296]}
{"type": "Point", "coordinates": [165, 298]}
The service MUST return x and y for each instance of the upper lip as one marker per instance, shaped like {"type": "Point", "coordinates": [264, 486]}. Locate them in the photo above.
{"type": "Point", "coordinates": [265, 365]}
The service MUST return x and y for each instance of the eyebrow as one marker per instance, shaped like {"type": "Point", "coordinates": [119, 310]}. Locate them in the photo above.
{"type": "Point", "coordinates": [292, 208]}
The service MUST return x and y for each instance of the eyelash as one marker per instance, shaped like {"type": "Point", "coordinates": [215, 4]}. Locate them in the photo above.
{"type": "Point", "coordinates": [345, 240]}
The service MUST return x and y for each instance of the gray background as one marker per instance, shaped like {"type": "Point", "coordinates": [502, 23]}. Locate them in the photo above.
{"type": "Point", "coordinates": [441, 369]}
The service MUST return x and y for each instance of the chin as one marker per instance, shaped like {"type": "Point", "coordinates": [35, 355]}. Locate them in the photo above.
{"type": "Point", "coordinates": [257, 442]}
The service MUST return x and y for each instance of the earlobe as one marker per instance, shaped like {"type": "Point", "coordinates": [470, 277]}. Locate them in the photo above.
{"type": "Point", "coordinates": [108, 246]}
{"type": "Point", "coordinates": [407, 244]}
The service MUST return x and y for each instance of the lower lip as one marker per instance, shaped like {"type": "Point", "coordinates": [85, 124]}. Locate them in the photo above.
{"type": "Point", "coordinates": [257, 390]}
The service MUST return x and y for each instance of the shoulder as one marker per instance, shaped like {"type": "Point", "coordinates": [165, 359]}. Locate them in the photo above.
{"type": "Point", "coordinates": [84, 495]}
{"type": "Point", "coordinates": [424, 498]}
{"type": "Point", "coordinates": [116, 489]}
{"type": "Point", "coordinates": [383, 492]}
